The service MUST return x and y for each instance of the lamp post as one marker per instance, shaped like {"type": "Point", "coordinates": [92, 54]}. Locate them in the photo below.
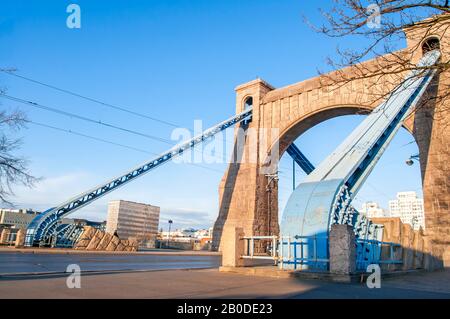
{"type": "Point", "coordinates": [168, 238]}
{"type": "Point", "coordinates": [411, 159]}
{"type": "Point", "coordinates": [271, 178]}
{"type": "Point", "coordinates": [293, 174]}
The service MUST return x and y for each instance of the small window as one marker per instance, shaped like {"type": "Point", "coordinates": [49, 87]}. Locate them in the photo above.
{"type": "Point", "coordinates": [430, 44]}
{"type": "Point", "coordinates": [248, 103]}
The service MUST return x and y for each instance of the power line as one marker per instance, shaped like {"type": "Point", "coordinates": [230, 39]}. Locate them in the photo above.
{"type": "Point", "coordinates": [116, 107]}
{"type": "Point", "coordinates": [110, 142]}
{"type": "Point", "coordinates": [72, 115]}
{"type": "Point", "coordinates": [83, 118]}
{"type": "Point", "coordinates": [34, 104]}
{"type": "Point", "coordinates": [90, 137]}
{"type": "Point", "coordinates": [12, 72]}
{"type": "Point", "coordinates": [87, 119]}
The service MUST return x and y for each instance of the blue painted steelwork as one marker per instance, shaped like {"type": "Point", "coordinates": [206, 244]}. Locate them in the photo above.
{"type": "Point", "coordinates": [295, 254]}
{"type": "Point", "coordinates": [300, 158]}
{"type": "Point", "coordinates": [44, 225]}
{"type": "Point", "coordinates": [290, 252]}
{"type": "Point", "coordinates": [369, 252]}
{"type": "Point", "coordinates": [67, 235]}
{"type": "Point", "coordinates": [324, 198]}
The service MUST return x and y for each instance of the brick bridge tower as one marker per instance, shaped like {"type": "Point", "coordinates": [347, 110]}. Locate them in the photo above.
{"type": "Point", "coordinates": [248, 194]}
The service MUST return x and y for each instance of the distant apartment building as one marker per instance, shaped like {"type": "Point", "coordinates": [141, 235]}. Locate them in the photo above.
{"type": "Point", "coordinates": [187, 238]}
{"type": "Point", "coordinates": [186, 234]}
{"type": "Point", "coordinates": [372, 210]}
{"type": "Point", "coordinates": [409, 208]}
{"type": "Point", "coordinates": [130, 219]}
{"type": "Point", "coordinates": [16, 218]}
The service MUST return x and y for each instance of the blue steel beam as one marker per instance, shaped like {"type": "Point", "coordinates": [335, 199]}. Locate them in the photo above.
{"type": "Point", "coordinates": [300, 159]}
{"type": "Point", "coordinates": [324, 198]}
{"type": "Point", "coordinates": [44, 225]}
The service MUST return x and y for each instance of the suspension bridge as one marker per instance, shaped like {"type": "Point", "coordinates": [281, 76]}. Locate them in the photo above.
{"type": "Point", "coordinates": [323, 199]}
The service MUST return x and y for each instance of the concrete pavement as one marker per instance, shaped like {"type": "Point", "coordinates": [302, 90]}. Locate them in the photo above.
{"type": "Point", "coordinates": [210, 283]}
{"type": "Point", "coordinates": [70, 251]}
{"type": "Point", "coordinates": [49, 261]}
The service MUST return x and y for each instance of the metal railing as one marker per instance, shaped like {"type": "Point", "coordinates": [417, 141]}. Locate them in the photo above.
{"type": "Point", "coordinates": [295, 256]}
{"type": "Point", "coordinates": [268, 245]}
{"type": "Point", "coordinates": [369, 252]}
{"type": "Point", "coordinates": [290, 250]}
{"type": "Point", "coordinates": [283, 249]}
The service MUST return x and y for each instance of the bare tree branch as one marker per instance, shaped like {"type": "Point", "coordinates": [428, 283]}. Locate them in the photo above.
{"type": "Point", "coordinates": [350, 18]}
{"type": "Point", "coordinates": [13, 169]}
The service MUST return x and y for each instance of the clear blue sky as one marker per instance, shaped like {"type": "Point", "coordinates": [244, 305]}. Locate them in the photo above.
{"type": "Point", "coordinates": [175, 60]}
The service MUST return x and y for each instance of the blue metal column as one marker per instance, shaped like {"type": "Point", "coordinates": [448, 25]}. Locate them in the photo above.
{"type": "Point", "coordinates": [300, 158]}
{"type": "Point", "coordinates": [325, 196]}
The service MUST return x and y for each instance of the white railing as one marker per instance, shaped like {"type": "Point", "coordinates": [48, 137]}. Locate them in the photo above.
{"type": "Point", "coordinates": [270, 249]}
{"type": "Point", "coordinates": [273, 248]}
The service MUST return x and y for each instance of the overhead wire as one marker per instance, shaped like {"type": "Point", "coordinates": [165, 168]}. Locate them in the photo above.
{"type": "Point", "coordinates": [109, 142]}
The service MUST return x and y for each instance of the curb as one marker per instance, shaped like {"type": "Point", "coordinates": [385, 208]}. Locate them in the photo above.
{"type": "Point", "coordinates": [101, 252]}
{"type": "Point", "coordinates": [30, 275]}
{"type": "Point", "coordinates": [338, 278]}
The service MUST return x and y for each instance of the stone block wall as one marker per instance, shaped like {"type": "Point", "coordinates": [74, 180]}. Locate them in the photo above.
{"type": "Point", "coordinates": [342, 249]}
{"type": "Point", "coordinates": [4, 236]}
{"type": "Point", "coordinates": [416, 249]}
{"type": "Point", "coordinates": [20, 238]}
{"type": "Point", "coordinates": [95, 239]}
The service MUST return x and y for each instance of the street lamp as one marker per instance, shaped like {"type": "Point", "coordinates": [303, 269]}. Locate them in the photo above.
{"type": "Point", "coordinates": [168, 238]}
{"type": "Point", "coordinates": [411, 159]}
{"type": "Point", "coordinates": [271, 178]}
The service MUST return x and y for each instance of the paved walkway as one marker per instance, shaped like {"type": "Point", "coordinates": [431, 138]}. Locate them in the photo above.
{"type": "Point", "coordinates": [210, 283]}
{"type": "Point", "coordinates": [49, 261]}
{"type": "Point", "coordinates": [71, 251]}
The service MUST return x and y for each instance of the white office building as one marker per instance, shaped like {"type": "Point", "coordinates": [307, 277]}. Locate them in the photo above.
{"type": "Point", "coordinates": [130, 219]}
{"type": "Point", "coordinates": [409, 208]}
{"type": "Point", "coordinates": [372, 210]}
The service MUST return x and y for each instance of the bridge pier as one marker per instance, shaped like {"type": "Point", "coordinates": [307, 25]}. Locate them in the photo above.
{"type": "Point", "coordinates": [233, 247]}
{"type": "Point", "coordinates": [342, 247]}
{"type": "Point", "coordinates": [247, 200]}
{"type": "Point", "coordinates": [431, 128]}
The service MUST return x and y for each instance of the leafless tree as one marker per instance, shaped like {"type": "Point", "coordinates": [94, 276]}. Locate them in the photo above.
{"type": "Point", "coordinates": [381, 24]}
{"type": "Point", "coordinates": [13, 169]}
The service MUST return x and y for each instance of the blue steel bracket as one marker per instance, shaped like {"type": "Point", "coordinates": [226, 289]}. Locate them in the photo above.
{"type": "Point", "coordinates": [44, 225]}
{"type": "Point", "coordinates": [325, 197]}
{"type": "Point", "coordinates": [300, 158]}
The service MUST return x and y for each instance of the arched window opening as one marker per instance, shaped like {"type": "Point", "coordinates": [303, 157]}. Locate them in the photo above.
{"type": "Point", "coordinates": [430, 44]}
{"type": "Point", "coordinates": [248, 103]}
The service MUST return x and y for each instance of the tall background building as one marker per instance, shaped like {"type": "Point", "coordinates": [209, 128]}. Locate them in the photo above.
{"type": "Point", "coordinates": [372, 210]}
{"type": "Point", "coordinates": [130, 219]}
{"type": "Point", "coordinates": [16, 218]}
{"type": "Point", "coordinates": [409, 208]}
